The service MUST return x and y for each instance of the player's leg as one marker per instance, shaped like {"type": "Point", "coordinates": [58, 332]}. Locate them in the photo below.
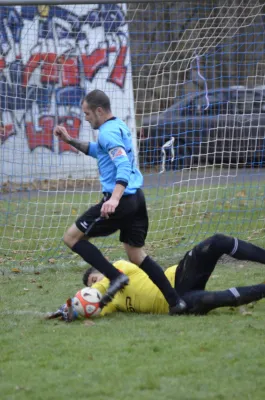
{"type": "Point", "coordinates": [247, 251]}
{"type": "Point", "coordinates": [197, 265]}
{"type": "Point", "coordinates": [201, 302]}
{"type": "Point", "coordinates": [133, 235]}
{"type": "Point", "coordinates": [220, 244]}
{"type": "Point", "coordinates": [76, 238]}
{"type": "Point", "coordinates": [155, 272]}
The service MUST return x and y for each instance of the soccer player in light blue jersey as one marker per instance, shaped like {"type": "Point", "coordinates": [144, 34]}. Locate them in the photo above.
{"type": "Point", "coordinates": [123, 205]}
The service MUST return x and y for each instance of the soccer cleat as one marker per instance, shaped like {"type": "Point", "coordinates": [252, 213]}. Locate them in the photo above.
{"type": "Point", "coordinates": [179, 308]}
{"type": "Point", "coordinates": [115, 285]}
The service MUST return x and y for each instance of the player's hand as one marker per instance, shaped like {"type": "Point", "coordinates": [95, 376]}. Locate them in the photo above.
{"type": "Point", "coordinates": [64, 313]}
{"type": "Point", "coordinates": [62, 133]}
{"type": "Point", "coordinates": [61, 313]}
{"type": "Point", "coordinates": [108, 208]}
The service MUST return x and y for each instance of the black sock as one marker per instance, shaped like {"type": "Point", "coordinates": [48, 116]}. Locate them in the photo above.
{"type": "Point", "coordinates": [247, 294]}
{"type": "Point", "coordinates": [201, 302]}
{"type": "Point", "coordinates": [93, 256]}
{"type": "Point", "coordinates": [157, 275]}
{"type": "Point", "coordinates": [247, 251]}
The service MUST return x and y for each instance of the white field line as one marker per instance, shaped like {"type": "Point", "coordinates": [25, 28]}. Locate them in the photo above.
{"type": "Point", "coordinates": [24, 312]}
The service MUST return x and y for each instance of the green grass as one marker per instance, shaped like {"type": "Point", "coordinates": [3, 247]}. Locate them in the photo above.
{"type": "Point", "coordinates": [31, 228]}
{"type": "Point", "coordinates": [127, 356]}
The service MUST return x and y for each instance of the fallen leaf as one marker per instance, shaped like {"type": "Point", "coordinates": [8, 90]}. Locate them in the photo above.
{"type": "Point", "coordinates": [244, 311]}
{"type": "Point", "coordinates": [252, 305]}
{"type": "Point", "coordinates": [242, 193]}
{"type": "Point", "coordinates": [51, 260]}
{"type": "Point", "coordinates": [15, 270]}
{"type": "Point", "coordinates": [20, 388]}
{"type": "Point", "coordinates": [180, 210]}
{"type": "Point", "coordinates": [88, 322]}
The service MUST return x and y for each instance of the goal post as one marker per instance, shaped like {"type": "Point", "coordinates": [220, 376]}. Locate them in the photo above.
{"type": "Point", "coordinates": [188, 80]}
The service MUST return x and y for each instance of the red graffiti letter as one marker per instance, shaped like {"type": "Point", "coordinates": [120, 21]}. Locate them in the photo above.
{"type": "Point", "coordinates": [43, 137]}
{"type": "Point", "coordinates": [92, 63]}
{"type": "Point", "coordinates": [70, 71]}
{"type": "Point", "coordinates": [6, 131]}
{"type": "Point", "coordinates": [72, 124]}
{"type": "Point", "coordinates": [118, 74]}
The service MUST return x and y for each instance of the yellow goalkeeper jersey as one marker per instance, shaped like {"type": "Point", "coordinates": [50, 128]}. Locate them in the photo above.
{"type": "Point", "coordinates": [141, 295]}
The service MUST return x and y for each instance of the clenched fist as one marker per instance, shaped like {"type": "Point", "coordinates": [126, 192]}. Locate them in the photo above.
{"type": "Point", "coordinates": [62, 133]}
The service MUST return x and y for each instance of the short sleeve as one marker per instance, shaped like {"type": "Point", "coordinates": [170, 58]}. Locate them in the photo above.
{"type": "Point", "coordinates": [109, 139]}
{"type": "Point", "coordinates": [92, 149]}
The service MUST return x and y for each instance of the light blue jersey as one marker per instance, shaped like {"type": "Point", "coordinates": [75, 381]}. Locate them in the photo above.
{"type": "Point", "coordinates": [115, 154]}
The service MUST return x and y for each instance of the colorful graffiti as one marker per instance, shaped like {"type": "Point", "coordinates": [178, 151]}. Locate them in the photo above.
{"type": "Point", "coordinates": [43, 80]}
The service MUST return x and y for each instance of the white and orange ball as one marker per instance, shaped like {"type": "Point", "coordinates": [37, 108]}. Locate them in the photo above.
{"type": "Point", "coordinates": [86, 302]}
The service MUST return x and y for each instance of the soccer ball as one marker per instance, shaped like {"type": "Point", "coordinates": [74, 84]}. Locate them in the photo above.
{"type": "Point", "coordinates": [86, 302]}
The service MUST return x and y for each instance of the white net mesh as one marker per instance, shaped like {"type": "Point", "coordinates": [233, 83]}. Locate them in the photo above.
{"type": "Point", "coordinates": [187, 78]}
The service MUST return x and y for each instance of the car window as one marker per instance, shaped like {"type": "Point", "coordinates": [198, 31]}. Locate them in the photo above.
{"type": "Point", "coordinates": [214, 104]}
{"type": "Point", "coordinates": [248, 102]}
{"type": "Point", "coordinates": [248, 107]}
{"type": "Point", "coordinates": [221, 107]}
{"type": "Point", "coordinates": [197, 105]}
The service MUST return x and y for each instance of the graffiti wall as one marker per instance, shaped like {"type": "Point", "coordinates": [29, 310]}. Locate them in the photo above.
{"type": "Point", "coordinates": [50, 57]}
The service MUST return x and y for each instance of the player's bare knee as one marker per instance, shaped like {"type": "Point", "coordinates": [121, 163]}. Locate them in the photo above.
{"type": "Point", "coordinates": [70, 240]}
{"type": "Point", "coordinates": [72, 236]}
{"type": "Point", "coordinates": [67, 240]}
{"type": "Point", "coordinates": [136, 256]}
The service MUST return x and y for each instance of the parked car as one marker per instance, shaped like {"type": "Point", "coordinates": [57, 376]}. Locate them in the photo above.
{"type": "Point", "coordinates": [220, 126]}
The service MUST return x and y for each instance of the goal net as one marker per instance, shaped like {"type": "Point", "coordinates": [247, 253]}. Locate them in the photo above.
{"type": "Point", "coordinates": [188, 80]}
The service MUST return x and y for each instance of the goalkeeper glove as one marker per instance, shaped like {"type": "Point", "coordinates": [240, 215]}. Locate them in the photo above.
{"type": "Point", "coordinates": [66, 312]}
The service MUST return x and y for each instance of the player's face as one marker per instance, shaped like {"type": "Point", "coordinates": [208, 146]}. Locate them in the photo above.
{"type": "Point", "coordinates": [94, 278]}
{"type": "Point", "coordinates": [93, 117]}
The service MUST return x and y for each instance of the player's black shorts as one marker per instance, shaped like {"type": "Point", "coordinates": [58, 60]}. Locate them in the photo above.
{"type": "Point", "coordinates": [197, 265]}
{"type": "Point", "coordinates": [130, 218]}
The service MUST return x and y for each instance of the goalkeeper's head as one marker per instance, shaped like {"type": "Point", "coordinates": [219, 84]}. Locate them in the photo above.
{"type": "Point", "coordinates": [91, 276]}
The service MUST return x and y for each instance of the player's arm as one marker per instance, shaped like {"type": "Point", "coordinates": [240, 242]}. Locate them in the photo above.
{"type": "Point", "coordinates": [120, 159]}
{"type": "Point", "coordinates": [79, 145]}
{"type": "Point", "coordinates": [115, 148]}
{"type": "Point", "coordinates": [108, 309]}
{"type": "Point", "coordinates": [88, 148]}
{"type": "Point", "coordinates": [110, 205]}
{"type": "Point", "coordinates": [102, 287]}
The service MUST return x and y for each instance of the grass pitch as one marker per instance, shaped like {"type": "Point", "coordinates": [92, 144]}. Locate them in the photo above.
{"type": "Point", "coordinates": [127, 356]}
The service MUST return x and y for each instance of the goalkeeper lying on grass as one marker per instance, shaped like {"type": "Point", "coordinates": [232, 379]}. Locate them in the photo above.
{"type": "Point", "coordinates": [189, 279]}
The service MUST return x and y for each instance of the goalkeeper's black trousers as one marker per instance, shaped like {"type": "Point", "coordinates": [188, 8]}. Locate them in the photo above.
{"type": "Point", "coordinates": [201, 302]}
{"type": "Point", "coordinates": [197, 265]}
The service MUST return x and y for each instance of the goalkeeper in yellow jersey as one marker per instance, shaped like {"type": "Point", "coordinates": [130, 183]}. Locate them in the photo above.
{"type": "Point", "coordinates": [189, 278]}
